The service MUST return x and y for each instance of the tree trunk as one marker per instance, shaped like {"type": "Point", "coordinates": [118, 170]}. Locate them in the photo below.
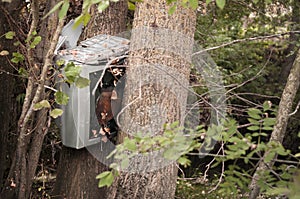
{"type": "Point", "coordinates": [77, 171]}
{"type": "Point", "coordinates": [159, 66]}
{"type": "Point", "coordinates": [285, 108]}
{"type": "Point", "coordinates": [32, 125]}
{"type": "Point", "coordinates": [8, 110]}
{"type": "Point", "coordinates": [293, 47]}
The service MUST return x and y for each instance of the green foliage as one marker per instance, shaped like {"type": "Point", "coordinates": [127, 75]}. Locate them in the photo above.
{"type": "Point", "coordinates": [41, 104]}
{"type": "Point", "coordinates": [72, 73]}
{"type": "Point", "coordinates": [220, 3]}
{"type": "Point", "coordinates": [61, 98]}
{"type": "Point", "coordinates": [64, 9]}
{"type": "Point", "coordinates": [17, 57]}
{"type": "Point", "coordinates": [23, 72]}
{"type": "Point", "coordinates": [10, 35]}
{"type": "Point", "coordinates": [56, 112]}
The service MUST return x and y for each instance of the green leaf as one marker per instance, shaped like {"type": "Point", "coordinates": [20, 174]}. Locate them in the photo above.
{"type": "Point", "coordinates": [129, 144]}
{"type": "Point", "coordinates": [221, 3]}
{"type": "Point", "coordinates": [72, 72]}
{"type": "Point", "coordinates": [56, 113]}
{"type": "Point", "coordinates": [267, 105]}
{"type": "Point", "coordinates": [86, 18]}
{"type": "Point", "coordinates": [253, 128]}
{"type": "Point", "coordinates": [103, 5]}
{"type": "Point", "coordinates": [269, 121]}
{"type": "Point", "coordinates": [41, 104]}
{"type": "Point", "coordinates": [131, 6]}
{"type": "Point", "coordinates": [106, 180]}
{"type": "Point", "coordinates": [82, 82]}
{"type": "Point", "coordinates": [60, 62]}
{"type": "Point", "coordinates": [17, 57]}
{"type": "Point", "coordinates": [56, 7]}
{"type": "Point", "coordinates": [184, 161]}
{"type": "Point", "coordinates": [208, 1]}
{"type": "Point", "coordinates": [23, 72]}
{"type": "Point", "coordinates": [35, 41]}
{"type": "Point", "coordinates": [281, 151]}
{"type": "Point", "coordinates": [125, 163]}
{"type": "Point", "coordinates": [103, 174]}
{"type": "Point", "coordinates": [254, 113]}
{"type": "Point", "coordinates": [64, 9]}
{"type": "Point", "coordinates": [267, 128]}
{"type": "Point", "coordinates": [95, 1]}
{"type": "Point", "coordinates": [269, 156]}
{"type": "Point", "coordinates": [253, 121]}
{"type": "Point", "coordinates": [61, 98]}
{"type": "Point", "coordinates": [10, 35]}
{"type": "Point", "coordinates": [193, 4]}
{"type": "Point", "coordinates": [172, 9]}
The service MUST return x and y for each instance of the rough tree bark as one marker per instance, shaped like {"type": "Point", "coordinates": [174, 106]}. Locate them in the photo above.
{"type": "Point", "coordinates": [285, 108]}
{"type": "Point", "coordinates": [77, 170]}
{"type": "Point", "coordinates": [293, 45]}
{"type": "Point", "coordinates": [32, 125]}
{"type": "Point", "coordinates": [160, 44]}
{"type": "Point", "coordinates": [8, 82]}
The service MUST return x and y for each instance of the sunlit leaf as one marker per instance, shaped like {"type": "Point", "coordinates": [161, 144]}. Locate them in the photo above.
{"type": "Point", "coordinates": [17, 57]}
{"type": "Point", "coordinates": [35, 41]}
{"type": "Point", "coordinates": [72, 72]}
{"type": "Point", "coordinates": [130, 144]}
{"type": "Point", "coordinates": [56, 113]}
{"type": "Point", "coordinates": [208, 1]}
{"type": "Point", "coordinates": [193, 4]}
{"type": "Point", "coordinates": [64, 9]}
{"type": "Point", "coordinates": [107, 180]}
{"type": "Point", "coordinates": [125, 163]}
{"type": "Point", "coordinates": [23, 72]}
{"type": "Point", "coordinates": [253, 128]}
{"type": "Point", "coordinates": [254, 113]}
{"type": "Point", "coordinates": [172, 9]}
{"type": "Point", "coordinates": [10, 35]}
{"type": "Point", "coordinates": [103, 174]}
{"type": "Point", "coordinates": [221, 3]}
{"type": "Point", "coordinates": [61, 98]}
{"type": "Point", "coordinates": [102, 6]}
{"type": "Point", "coordinates": [269, 121]}
{"type": "Point", "coordinates": [82, 82]}
{"type": "Point", "coordinates": [267, 105]}
{"type": "Point", "coordinates": [269, 156]}
{"type": "Point", "coordinates": [184, 161]}
{"type": "Point", "coordinates": [131, 6]}
{"type": "Point", "coordinates": [41, 104]}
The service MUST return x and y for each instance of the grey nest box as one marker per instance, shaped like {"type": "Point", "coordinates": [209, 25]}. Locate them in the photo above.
{"type": "Point", "coordinates": [79, 121]}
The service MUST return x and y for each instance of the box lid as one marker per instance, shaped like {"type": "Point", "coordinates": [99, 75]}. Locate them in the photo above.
{"type": "Point", "coordinates": [95, 50]}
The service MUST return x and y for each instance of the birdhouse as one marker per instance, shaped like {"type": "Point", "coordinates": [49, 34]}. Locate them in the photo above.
{"type": "Point", "coordinates": [80, 125]}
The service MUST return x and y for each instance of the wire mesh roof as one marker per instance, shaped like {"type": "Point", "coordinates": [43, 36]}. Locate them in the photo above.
{"type": "Point", "coordinates": [95, 50]}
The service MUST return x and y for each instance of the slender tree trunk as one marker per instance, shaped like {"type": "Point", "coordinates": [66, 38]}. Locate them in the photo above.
{"type": "Point", "coordinates": [32, 125]}
{"type": "Point", "coordinates": [285, 108]}
{"type": "Point", "coordinates": [159, 66]}
{"type": "Point", "coordinates": [293, 47]}
{"type": "Point", "coordinates": [77, 171]}
{"type": "Point", "coordinates": [8, 110]}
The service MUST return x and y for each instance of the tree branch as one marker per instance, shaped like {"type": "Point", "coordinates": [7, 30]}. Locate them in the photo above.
{"type": "Point", "coordinates": [245, 40]}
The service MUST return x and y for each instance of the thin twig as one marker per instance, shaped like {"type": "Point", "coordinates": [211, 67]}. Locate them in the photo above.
{"type": "Point", "coordinates": [296, 110]}
{"type": "Point", "coordinates": [245, 40]}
